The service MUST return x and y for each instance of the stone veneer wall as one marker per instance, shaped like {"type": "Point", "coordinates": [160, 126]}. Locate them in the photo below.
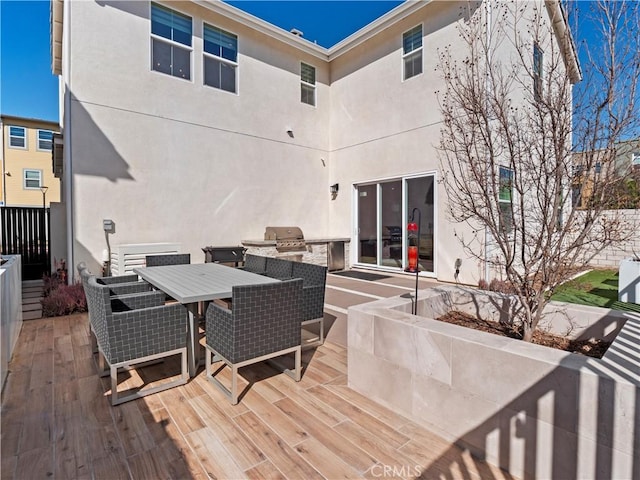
{"type": "Point", "coordinates": [534, 411]}
{"type": "Point", "coordinates": [315, 253]}
{"type": "Point", "coordinates": [612, 256]}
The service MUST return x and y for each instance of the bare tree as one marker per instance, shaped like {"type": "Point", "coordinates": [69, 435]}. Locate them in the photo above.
{"type": "Point", "coordinates": [510, 135]}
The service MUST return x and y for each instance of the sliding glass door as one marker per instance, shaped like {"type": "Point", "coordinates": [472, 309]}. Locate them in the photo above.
{"type": "Point", "coordinates": [383, 210]}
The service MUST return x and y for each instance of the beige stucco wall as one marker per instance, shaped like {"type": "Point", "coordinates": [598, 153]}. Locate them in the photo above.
{"type": "Point", "coordinates": [170, 160]}
{"type": "Point", "coordinates": [384, 128]}
{"type": "Point", "coordinates": [16, 160]}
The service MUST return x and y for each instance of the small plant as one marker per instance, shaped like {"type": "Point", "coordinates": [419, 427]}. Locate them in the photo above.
{"type": "Point", "coordinates": [59, 298]}
{"type": "Point", "coordinates": [500, 286]}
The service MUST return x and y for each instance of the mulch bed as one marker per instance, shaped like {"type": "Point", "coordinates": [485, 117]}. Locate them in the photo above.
{"type": "Point", "coordinates": [591, 348]}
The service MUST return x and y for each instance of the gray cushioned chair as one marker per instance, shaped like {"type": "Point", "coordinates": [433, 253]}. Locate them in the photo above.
{"type": "Point", "coordinates": [168, 259]}
{"type": "Point", "coordinates": [314, 279]}
{"type": "Point", "coordinates": [133, 336]}
{"type": "Point", "coordinates": [255, 264]}
{"type": "Point", "coordinates": [264, 323]}
{"type": "Point", "coordinates": [120, 284]}
{"type": "Point", "coordinates": [279, 268]}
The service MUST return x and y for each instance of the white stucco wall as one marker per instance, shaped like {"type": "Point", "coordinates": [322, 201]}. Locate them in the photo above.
{"type": "Point", "coordinates": [170, 160]}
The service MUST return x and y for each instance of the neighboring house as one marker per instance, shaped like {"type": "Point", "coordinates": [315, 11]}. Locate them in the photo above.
{"type": "Point", "coordinates": [615, 175]}
{"type": "Point", "coordinates": [26, 162]}
{"type": "Point", "coordinates": [196, 123]}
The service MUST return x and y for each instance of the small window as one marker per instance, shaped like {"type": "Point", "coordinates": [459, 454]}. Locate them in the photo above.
{"type": "Point", "coordinates": [17, 137]}
{"type": "Point", "coordinates": [220, 58]}
{"type": "Point", "coordinates": [412, 52]}
{"type": "Point", "coordinates": [170, 42]}
{"type": "Point", "coordinates": [635, 158]}
{"type": "Point", "coordinates": [307, 84]}
{"type": "Point", "coordinates": [32, 178]}
{"type": "Point", "coordinates": [505, 198]}
{"type": "Point", "coordinates": [45, 140]}
{"type": "Point", "coordinates": [537, 71]}
{"type": "Point", "coordinates": [576, 195]}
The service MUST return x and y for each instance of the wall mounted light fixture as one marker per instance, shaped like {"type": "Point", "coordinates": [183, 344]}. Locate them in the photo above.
{"type": "Point", "coordinates": [290, 132]}
{"type": "Point", "coordinates": [334, 188]}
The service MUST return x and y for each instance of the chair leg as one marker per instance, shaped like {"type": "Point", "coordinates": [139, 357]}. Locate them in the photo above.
{"type": "Point", "coordinates": [298, 371]}
{"type": "Point", "coordinates": [234, 384]}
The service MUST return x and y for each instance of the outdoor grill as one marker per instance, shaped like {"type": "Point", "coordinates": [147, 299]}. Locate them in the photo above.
{"type": "Point", "coordinates": [288, 239]}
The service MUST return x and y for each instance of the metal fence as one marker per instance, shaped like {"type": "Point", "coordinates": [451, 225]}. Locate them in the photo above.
{"type": "Point", "coordinates": [25, 231]}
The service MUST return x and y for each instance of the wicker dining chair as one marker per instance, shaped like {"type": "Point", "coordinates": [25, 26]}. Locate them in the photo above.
{"type": "Point", "coordinates": [264, 323]}
{"type": "Point", "coordinates": [135, 336]}
{"type": "Point", "coordinates": [168, 259]}
{"type": "Point", "coordinates": [314, 279]}
{"type": "Point", "coordinates": [255, 264]}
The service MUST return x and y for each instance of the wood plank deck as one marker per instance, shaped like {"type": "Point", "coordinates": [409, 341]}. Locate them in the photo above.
{"type": "Point", "coordinates": [57, 422]}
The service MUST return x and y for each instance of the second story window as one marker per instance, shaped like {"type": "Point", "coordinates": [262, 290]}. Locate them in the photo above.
{"type": "Point", "coordinates": [505, 197]}
{"type": "Point", "coordinates": [32, 179]}
{"type": "Point", "coordinates": [537, 71]}
{"type": "Point", "coordinates": [170, 42]}
{"type": "Point", "coordinates": [412, 52]}
{"type": "Point", "coordinates": [220, 58]}
{"type": "Point", "coordinates": [17, 137]}
{"type": "Point", "coordinates": [307, 84]}
{"type": "Point", "coordinates": [45, 140]}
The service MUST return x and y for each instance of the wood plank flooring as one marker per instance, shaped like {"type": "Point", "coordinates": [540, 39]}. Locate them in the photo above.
{"type": "Point", "coordinates": [57, 422]}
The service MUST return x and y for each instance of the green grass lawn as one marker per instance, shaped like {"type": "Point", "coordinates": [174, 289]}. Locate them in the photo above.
{"type": "Point", "coordinates": [598, 288]}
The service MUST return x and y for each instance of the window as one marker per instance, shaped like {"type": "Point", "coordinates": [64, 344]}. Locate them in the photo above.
{"type": "Point", "coordinates": [505, 197]}
{"type": "Point", "coordinates": [220, 58]}
{"type": "Point", "coordinates": [32, 178]}
{"type": "Point", "coordinates": [412, 52]}
{"type": "Point", "coordinates": [537, 71]}
{"type": "Point", "coordinates": [307, 84]}
{"type": "Point", "coordinates": [170, 42]}
{"type": "Point", "coordinates": [635, 159]}
{"type": "Point", "coordinates": [576, 196]}
{"type": "Point", "coordinates": [17, 137]}
{"type": "Point", "coordinates": [45, 140]}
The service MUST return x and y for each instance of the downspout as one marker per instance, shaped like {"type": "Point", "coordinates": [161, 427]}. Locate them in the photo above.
{"type": "Point", "coordinates": [487, 235]}
{"type": "Point", "coordinates": [68, 177]}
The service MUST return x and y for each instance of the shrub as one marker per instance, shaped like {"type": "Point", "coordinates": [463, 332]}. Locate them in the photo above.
{"type": "Point", "coordinates": [500, 286]}
{"type": "Point", "coordinates": [64, 300]}
{"type": "Point", "coordinates": [59, 298]}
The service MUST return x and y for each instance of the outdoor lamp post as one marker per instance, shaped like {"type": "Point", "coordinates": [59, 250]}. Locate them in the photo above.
{"type": "Point", "coordinates": [44, 189]}
{"type": "Point", "coordinates": [413, 251]}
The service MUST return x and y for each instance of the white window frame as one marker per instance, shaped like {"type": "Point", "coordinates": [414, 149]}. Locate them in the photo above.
{"type": "Point", "coordinates": [235, 64]}
{"type": "Point", "coordinates": [415, 52]}
{"type": "Point", "coordinates": [311, 86]}
{"type": "Point", "coordinates": [38, 140]}
{"type": "Point", "coordinates": [24, 178]}
{"type": "Point", "coordinates": [26, 141]}
{"type": "Point", "coordinates": [173, 43]}
{"type": "Point", "coordinates": [635, 159]}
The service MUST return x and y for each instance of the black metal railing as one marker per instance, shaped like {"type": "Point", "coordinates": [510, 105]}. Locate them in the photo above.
{"type": "Point", "coordinates": [25, 231]}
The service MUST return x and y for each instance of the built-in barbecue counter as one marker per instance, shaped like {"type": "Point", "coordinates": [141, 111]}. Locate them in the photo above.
{"type": "Point", "coordinates": [289, 243]}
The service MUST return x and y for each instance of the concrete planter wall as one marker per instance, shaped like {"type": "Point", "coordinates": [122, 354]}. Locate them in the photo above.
{"type": "Point", "coordinates": [10, 310]}
{"type": "Point", "coordinates": [534, 411]}
{"type": "Point", "coordinates": [629, 281]}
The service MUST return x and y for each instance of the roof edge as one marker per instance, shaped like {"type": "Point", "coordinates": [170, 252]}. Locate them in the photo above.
{"type": "Point", "coordinates": [563, 33]}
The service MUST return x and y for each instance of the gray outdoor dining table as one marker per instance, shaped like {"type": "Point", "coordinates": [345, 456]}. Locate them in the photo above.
{"type": "Point", "coordinates": [194, 283]}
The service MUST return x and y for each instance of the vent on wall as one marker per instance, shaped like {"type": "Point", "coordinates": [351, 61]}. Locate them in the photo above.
{"type": "Point", "coordinates": [124, 258]}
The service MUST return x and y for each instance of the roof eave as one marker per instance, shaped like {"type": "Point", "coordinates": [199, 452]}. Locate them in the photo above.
{"type": "Point", "coordinates": [55, 31]}
{"type": "Point", "coordinates": [565, 39]}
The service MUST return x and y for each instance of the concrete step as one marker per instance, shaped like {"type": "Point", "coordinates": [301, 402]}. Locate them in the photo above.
{"type": "Point", "coordinates": [31, 296]}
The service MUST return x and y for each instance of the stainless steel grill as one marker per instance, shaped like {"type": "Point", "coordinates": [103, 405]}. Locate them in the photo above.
{"type": "Point", "coordinates": [288, 239]}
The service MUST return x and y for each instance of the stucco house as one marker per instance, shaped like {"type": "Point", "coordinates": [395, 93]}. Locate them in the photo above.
{"type": "Point", "coordinates": [194, 123]}
{"type": "Point", "coordinates": [27, 174]}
